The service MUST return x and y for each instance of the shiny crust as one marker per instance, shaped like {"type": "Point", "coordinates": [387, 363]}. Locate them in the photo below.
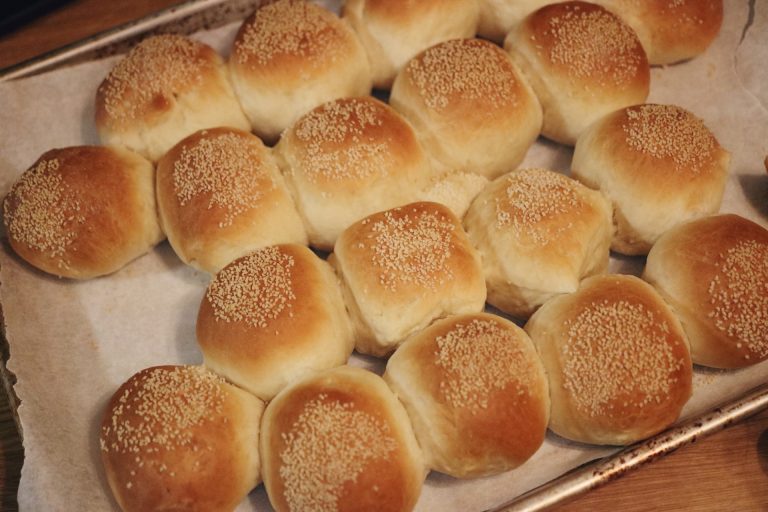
{"type": "Point", "coordinates": [456, 388]}
{"type": "Point", "coordinates": [675, 171]}
{"type": "Point", "coordinates": [388, 470]}
{"type": "Point", "coordinates": [393, 31]}
{"type": "Point", "coordinates": [403, 268]}
{"type": "Point", "coordinates": [209, 463]}
{"type": "Point", "coordinates": [220, 195]}
{"type": "Point", "coordinates": [470, 106]}
{"type": "Point", "coordinates": [305, 330]}
{"type": "Point", "coordinates": [714, 273]}
{"type": "Point", "coordinates": [83, 211]}
{"type": "Point", "coordinates": [617, 360]}
{"type": "Point", "coordinates": [582, 61]}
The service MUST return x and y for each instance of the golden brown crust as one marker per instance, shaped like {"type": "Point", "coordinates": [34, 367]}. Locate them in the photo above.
{"type": "Point", "coordinates": [582, 61]}
{"type": "Point", "coordinates": [404, 267]}
{"type": "Point", "coordinates": [340, 441]}
{"type": "Point", "coordinates": [180, 438]}
{"type": "Point", "coordinates": [271, 317]}
{"type": "Point", "coordinates": [617, 359]}
{"type": "Point", "coordinates": [658, 164]}
{"type": "Point", "coordinates": [714, 272]}
{"type": "Point", "coordinates": [472, 377]}
{"type": "Point", "coordinates": [469, 105]}
{"type": "Point", "coordinates": [220, 195]}
{"type": "Point", "coordinates": [83, 211]}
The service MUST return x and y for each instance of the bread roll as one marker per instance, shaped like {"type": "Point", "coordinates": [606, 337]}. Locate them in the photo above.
{"type": "Point", "coordinates": [167, 87]}
{"type": "Point", "coordinates": [714, 273]}
{"type": "Point", "coordinates": [497, 17]}
{"type": "Point", "coordinates": [583, 63]}
{"type": "Point", "coordinates": [291, 56]}
{"type": "Point", "coordinates": [393, 31]}
{"type": "Point", "coordinates": [539, 233]}
{"type": "Point", "coordinates": [403, 268]}
{"type": "Point", "coordinates": [347, 159]}
{"type": "Point", "coordinates": [340, 441]}
{"type": "Point", "coordinates": [469, 105]}
{"type": "Point", "coordinates": [83, 211]}
{"type": "Point", "coordinates": [180, 438]}
{"type": "Point", "coordinates": [220, 195]}
{"type": "Point", "coordinates": [617, 360]}
{"type": "Point", "coordinates": [476, 393]}
{"type": "Point", "coordinates": [456, 190]}
{"type": "Point", "coordinates": [671, 30]}
{"type": "Point", "coordinates": [271, 317]}
{"type": "Point", "coordinates": [658, 164]}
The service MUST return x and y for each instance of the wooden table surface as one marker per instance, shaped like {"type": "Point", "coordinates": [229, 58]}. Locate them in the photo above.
{"type": "Point", "coordinates": [726, 471]}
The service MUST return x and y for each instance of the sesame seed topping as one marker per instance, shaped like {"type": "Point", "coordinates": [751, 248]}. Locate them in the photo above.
{"type": "Point", "coordinates": [618, 351]}
{"type": "Point", "coordinates": [738, 295]}
{"type": "Point", "coordinates": [254, 289]}
{"type": "Point", "coordinates": [42, 212]}
{"type": "Point", "coordinates": [289, 27]}
{"type": "Point", "coordinates": [533, 197]}
{"type": "Point", "coordinates": [412, 249]}
{"type": "Point", "coordinates": [479, 357]}
{"type": "Point", "coordinates": [466, 69]}
{"type": "Point", "coordinates": [328, 446]}
{"type": "Point", "coordinates": [228, 168]}
{"type": "Point", "coordinates": [152, 73]}
{"type": "Point", "coordinates": [669, 132]}
{"type": "Point", "coordinates": [339, 142]}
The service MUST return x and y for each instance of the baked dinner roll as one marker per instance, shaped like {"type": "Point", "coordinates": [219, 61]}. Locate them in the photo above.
{"type": "Point", "coordinates": [220, 195]}
{"type": "Point", "coordinates": [539, 233]}
{"type": "Point", "coordinates": [165, 88]}
{"type": "Point", "coordinates": [456, 190]}
{"type": "Point", "coordinates": [340, 441]}
{"type": "Point", "coordinates": [403, 268]}
{"type": "Point", "coordinates": [180, 438]}
{"type": "Point", "coordinates": [83, 211]}
{"type": "Point", "coordinates": [271, 317]}
{"type": "Point", "coordinates": [347, 159]}
{"type": "Point", "coordinates": [671, 30]}
{"type": "Point", "coordinates": [476, 393]}
{"type": "Point", "coordinates": [497, 17]}
{"type": "Point", "coordinates": [582, 61]}
{"type": "Point", "coordinates": [393, 31]}
{"type": "Point", "coordinates": [617, 360]}
{"type": "Point", "coordinates": [289, 57]}
{"type": "Point", "coordinates": [714, 273]}
{"type": "Point", "coordinates": [469, 105]}
{"type": "Point", "coordinates": [658, 164]}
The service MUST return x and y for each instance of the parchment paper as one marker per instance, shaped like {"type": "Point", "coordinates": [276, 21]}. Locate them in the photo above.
{"type": "Point", "coordinates": [73, 343]}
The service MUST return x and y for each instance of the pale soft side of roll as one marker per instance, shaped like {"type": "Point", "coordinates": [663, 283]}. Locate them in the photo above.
{"type": "Point", "coordinates": [617, 359]}
{"type": "Point", "coordinates": [539, 233]}
{"type": "Point", "coordinates": [403, 268]}
{"type": "Point", "coordinates": [582, 61]}
{"type": "Point", "coordinates": [671, 30]}
{"type": "Point", "coordinates": [476, 393]}
{"type": "Point", "coordinates": [714, 273]}
{"type": "Point", "coordinates": [470, 106]}
{"type": "Point", "coordinates": [393, 31]}
{"type": "Point", "coordinates": [180, 438]}
{"type": "Point", "coordinates": [83, 211]}
{"type": "Point", "coordinates": [220, 195]}
{"type": "Point", "coordinates": [271, 317]}
{"type": "Point", "coordinates": [347, 159]}
{"type": "Point", "coordinates": [165, 88]}
{"type": "Point", "coordinates": [340, 441]}
{"type": "Point", "coordinates": [658, 164]}
{"type": "Point", "coordinates": [456, 190]}
{"type": "Point", "coordinates": [291, 56]}
{"type": "Point", "coordinates": [497, 17]}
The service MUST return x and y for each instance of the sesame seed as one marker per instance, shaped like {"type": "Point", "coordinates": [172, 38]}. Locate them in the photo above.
{"type": "Point", "coordinates": [328, 446]}
{"type": "Point", "coordinates": [254, 289]}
